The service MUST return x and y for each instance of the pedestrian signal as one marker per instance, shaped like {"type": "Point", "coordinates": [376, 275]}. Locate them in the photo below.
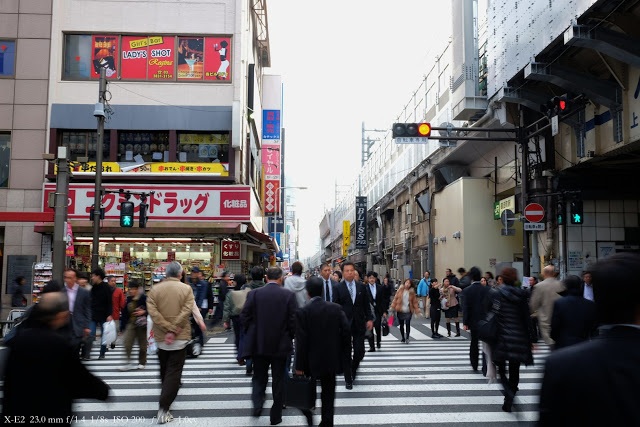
{"type": "Point", "coordinates": [126, 214]}
{"type": "Point", "coordinates": [576, 213]}
{"type": "Point", "coordinates": [143, 215]}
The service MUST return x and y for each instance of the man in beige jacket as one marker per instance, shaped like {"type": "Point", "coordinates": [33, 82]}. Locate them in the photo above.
{"type": "Point", "coordinates": [542, 299]}
{"type": "Point", "coordinates": [170, 303]}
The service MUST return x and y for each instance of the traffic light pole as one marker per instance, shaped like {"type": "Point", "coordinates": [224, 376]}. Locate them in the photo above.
{"type": "Point", "coordinates": [61, 200]}
{"type": "Point", "coordinates": [95, 256]}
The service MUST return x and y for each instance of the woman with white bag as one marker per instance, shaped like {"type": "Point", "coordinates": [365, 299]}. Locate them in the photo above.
{"type": "Point", "coordinates": [134, 324]}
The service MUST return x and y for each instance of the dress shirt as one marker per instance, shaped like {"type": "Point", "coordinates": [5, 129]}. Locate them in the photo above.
{"type": "Point", "coordinates": [588, 292]}
{"type": "Point", "coordinates": [72, 294]}
{"type": "Point", "coordinates": [373, 290]}
{"type": "Point", "coordinates": [327, 284]}
{"type": "Point", "coordinates": [352, 290]}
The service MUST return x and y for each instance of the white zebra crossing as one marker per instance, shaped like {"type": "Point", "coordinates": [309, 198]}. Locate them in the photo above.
{"type": "Point", "coordinates": [430, 379]}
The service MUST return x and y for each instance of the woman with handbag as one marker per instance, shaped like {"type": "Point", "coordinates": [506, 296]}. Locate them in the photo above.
{"type": "Point", "coordinates": [134, 323]}
{"type": "Point", "coordinates": [513, 343]}
{"type": "Point", "coordinates": [449, 304]}
{"type": "Point", "coordinates": [405, 304]}
{"type": "Point", "coordinates": [435, 311]}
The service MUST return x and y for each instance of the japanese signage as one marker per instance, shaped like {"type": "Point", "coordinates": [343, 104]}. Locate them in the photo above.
{"type": "Point", "coordinates": [361, 222]}
{"type": "Point", "coordinates": [153, 57]}
{"type": "Point", "coordinates": [104, 54]}
{"type": "Point", "coordinates": [230, 250]}
{"type": "Point", "coordinates": [346, 237]}
{"type": "Point", "coordinates": [271, 161]}
{"type": "Point", "coordinates": [271, 124]}
{"type": "Point", "coordinates": [169, 202]}
{"type": "Point", "coordinates": [69, 241]}
{"type": "Point", "coordinates": [271, 193]}
{"type": "Point", "coordinates": [217, 64]}
{"type": "Point", "coordinates": [508, 203]}
{"type": "Point", "coordinates": [634, 104]}
{"type": "Point", "coordinates": [220, 169]}
{"type": "Point", "coordinates": [161, 61]}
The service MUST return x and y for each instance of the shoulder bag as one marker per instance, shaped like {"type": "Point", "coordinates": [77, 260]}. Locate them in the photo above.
{"type": "Point", "coordinates": [488, 327]}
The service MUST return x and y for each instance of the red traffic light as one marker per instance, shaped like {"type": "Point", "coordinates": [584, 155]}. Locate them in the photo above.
{"type": "Point", "coordinates": [424, 129]}
{"type": "Point", "coordinates": [562, 104]}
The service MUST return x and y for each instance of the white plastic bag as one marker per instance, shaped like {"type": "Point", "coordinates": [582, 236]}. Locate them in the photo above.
{"type": "Point", "coordinates": [152, 347]}
{"type": "Point", "coordinates": [109, 333]}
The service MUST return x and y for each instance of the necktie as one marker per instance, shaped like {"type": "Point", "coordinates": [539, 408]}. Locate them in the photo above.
{"type": "Point", "coordinates": [353, 298]}
{"type": "Point", "coordinates": [327, 294]}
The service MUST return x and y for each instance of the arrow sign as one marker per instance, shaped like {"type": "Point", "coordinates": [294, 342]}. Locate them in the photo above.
{"type": "Point", "coordinates": [534, 212]}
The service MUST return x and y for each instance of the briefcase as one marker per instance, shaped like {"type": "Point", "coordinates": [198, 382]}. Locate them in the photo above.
{"type": "Point", "coordinates": [385, 329]}
{"type": "Point", "coordinates": [301, 392]}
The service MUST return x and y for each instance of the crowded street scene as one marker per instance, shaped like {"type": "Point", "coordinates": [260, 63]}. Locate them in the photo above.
{"type": "Point", "coordinates": [266, 212]}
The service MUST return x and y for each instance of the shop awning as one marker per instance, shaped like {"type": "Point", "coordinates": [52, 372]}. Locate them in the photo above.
{"type": "Point", "coordinates": [264, 238]}
{"type": "Point", "coordinates": [153, 229]}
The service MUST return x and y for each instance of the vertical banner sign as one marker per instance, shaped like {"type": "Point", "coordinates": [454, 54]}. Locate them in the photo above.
{"type": "Point", "coordinates": [361, 222]}
{"type": "Point", "coordinates": [135, 53]}
{"type": "Point", "coordinates": [346, 237]}
{"type": "Point", "coordinates": [161, 64]}
{"type": "Point", "coordinates": [190, 57]}
{"type": "Point", "coordinates": [104, 54]}
{"type": "Point", "coordinates": [271, 161]}
{"type": "Point", "coordinates": [271, 124]}
{"type": "Point", "coordinates": [217, 54]}
{"type": "Point", "coordinates": [69, 240]}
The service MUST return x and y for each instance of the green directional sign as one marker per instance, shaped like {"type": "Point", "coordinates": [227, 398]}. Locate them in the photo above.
{"type": "Point", "coordinates": [496, 210]}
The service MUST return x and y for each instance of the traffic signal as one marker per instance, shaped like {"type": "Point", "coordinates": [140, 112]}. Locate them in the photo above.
{"type": "Point", "coordinates": [408, 130]}
{"type": "Point", "coordinates": [556, 106]}
{"type": "Point", "coordinates": [143, 215]}
{"type": "Point", "coordinates": [126, 214]}
{"type": "Point", "coordinates": [91, 215]}
{"type": "Point", "coordinates": [576, 213]}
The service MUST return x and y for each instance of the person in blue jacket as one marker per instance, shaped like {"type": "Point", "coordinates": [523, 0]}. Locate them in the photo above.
{"type": "Point", "coordinates": [423, 292]}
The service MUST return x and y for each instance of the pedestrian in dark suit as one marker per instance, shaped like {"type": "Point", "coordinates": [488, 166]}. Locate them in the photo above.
{"type": "Point", "coordinates": [79, 310]}
{"type": "Point", "coordinates": [328, 284]}
{"type": "Point", "coordinates": [269, 319]}
{"type": "Point", "coordinates": [475, 306]}
{"type": "Point", "coordinates": [354, 299]}
{"type": "Point", "coordinates": [61, 374]}
{"type": "Point", "coordinates": [574, 317]}
{"type": "Point", "coordinates": [380, 307]}
{"type": "Point", "coordinates": [323, 341]}
{"type": "Point", "coordinates": [597, 383]}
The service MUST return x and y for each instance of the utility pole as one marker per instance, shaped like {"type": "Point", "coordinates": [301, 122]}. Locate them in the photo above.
{"type": "Point", "coordinates": [99, 114]}
{"type": "Point", "coordinates": [524, 143]}
{"type": "Point", "coordinates": [61, 200]}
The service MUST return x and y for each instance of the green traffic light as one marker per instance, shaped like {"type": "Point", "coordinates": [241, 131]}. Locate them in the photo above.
{"type": "Point", "coordinates": [577, 219]}
{"type": "Point", "coordinates": [127, 221]}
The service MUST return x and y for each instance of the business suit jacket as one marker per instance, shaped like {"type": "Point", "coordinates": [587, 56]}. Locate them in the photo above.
{"type": "Point", "coordinates": [333, 285]}
{"type": "Point", "coordinates": [323, 338]}
{"type": "Point", "coordinates": [81, 317]}
{"type": "Point", "coordinates": [358, 313]}
{"type": "Point", "coordinates": [476, 303]}
{"type": "Point", "coordinates": [594, 383]}
{"type": "Point", "coordinates": [380, 302]}
{"type": "Point", "coordinates": [269, 318]}
{"type": "Point", "coordinates": [573, 320]}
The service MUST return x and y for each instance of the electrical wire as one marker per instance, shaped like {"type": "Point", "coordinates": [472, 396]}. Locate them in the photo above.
{"type": "Point", "coordinates": [567, 160]}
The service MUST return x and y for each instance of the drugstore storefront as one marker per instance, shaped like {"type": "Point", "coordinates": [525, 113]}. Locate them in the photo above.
{"type": "Point", "coordinates": [210, 227]}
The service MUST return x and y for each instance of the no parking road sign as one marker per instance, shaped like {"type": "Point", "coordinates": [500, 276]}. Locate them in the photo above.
{"type": "Point", "coordinates": [534, 212]}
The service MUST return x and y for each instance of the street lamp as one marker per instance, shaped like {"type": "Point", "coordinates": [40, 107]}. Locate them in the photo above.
{"type": "Point", "coordinates": [278, 198]}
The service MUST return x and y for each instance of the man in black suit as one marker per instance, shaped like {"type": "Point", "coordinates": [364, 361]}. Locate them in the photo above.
{"type": "Point", "coordinates": [79, 311]}
{"type": "Point", "coordinates": [380, 307]}
{"type": "Point", "coordinates": [476, 300]}
{"type": "Point", "coordinates": [328, 284]}
{"type": "Point", "coordinates": [597, 383]}
{"type": "Point", "coordinates": [269, 318]}
{"type": "Point", "coordinates": [354, 299]}
{"type": "Point", "coordinates": [574, 317]}
{"type": "Point", "coordinates": [323, 341]}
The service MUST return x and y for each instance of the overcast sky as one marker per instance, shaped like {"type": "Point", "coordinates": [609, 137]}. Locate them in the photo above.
{"type": "Point", "coordinates": [342, 63]}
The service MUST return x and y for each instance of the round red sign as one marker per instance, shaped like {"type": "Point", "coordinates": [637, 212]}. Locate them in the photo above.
{"type": "Point", "coordinates": [534, 212]}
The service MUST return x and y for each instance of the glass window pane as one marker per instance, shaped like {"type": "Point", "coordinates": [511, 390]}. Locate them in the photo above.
{"type": "Point", "coordinates": [77, 56]}
{"type": "Point", "coordinates": [203, 148]}
{"type": "Point", "coordinates": [5, 158]}
{"type": "Point", "coordinates": [151, 146]}
{"type": "Point", "coordinates": [93, 142]}
{"type": "Point", "coordinates": [7, 57]}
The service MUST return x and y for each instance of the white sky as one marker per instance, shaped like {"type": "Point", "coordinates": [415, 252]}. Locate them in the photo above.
{"type": "Point", "coordinates": [342, 63]}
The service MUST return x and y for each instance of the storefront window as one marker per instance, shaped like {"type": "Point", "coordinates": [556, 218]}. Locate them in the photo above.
{"type": "Point", "coordinates": [7, 58]}
{"type": "Point", "coordinates": [203, 148]}
{"type": "Point", "coordinates": [138, 147]}
{"type": "Point", "coordinates": [84, 143]}
{"type": "Point", "coordinates": [5, 158]}
{"type": "Point", "coordinates": [77, 56]}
